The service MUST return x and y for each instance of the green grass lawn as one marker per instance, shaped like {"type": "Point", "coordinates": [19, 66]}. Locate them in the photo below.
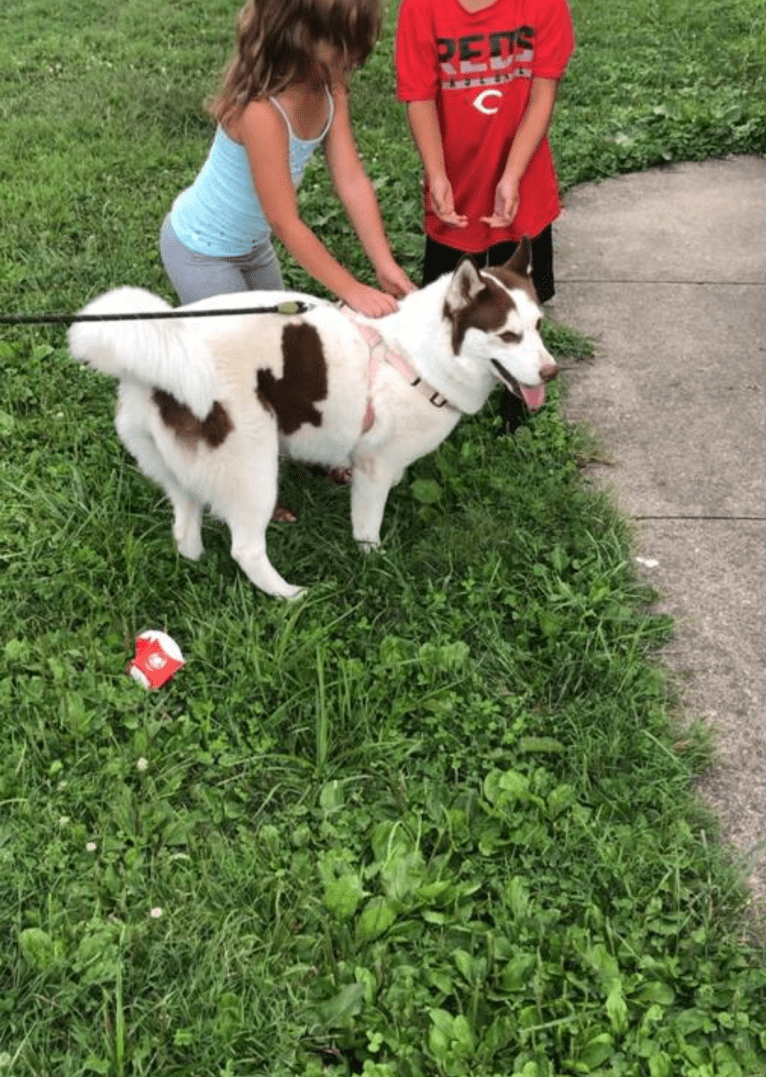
{"type": "Point", "coordinates": [434, 819]}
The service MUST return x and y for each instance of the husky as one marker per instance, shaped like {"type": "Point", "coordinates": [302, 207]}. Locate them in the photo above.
{"type": "Point", "coordinates": [207, 404]}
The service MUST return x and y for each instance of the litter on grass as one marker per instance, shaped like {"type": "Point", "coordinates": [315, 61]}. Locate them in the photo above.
{"type": "Point", "coordinates": [158, 657]}
{"type": "Point", "coordinates": [647, 562]}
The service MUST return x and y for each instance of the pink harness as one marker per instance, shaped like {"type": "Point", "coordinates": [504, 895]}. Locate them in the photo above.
{"type": "Point", "coordinates": [379, 351]}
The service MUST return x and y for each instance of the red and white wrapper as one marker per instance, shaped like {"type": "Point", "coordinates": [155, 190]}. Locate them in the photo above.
{"type": "Point", "coordinates": [157, 658]}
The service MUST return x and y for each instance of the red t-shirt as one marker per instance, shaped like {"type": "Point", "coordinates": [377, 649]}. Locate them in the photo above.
{"type": "Point", "coordinates": [478, 68]}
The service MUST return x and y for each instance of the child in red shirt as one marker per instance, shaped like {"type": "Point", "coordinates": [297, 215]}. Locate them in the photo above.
{"type": "Point", "coordinates": [479, 78]}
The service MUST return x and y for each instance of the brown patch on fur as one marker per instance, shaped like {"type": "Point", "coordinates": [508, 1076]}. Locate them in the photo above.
{"type": "Point", "coordinates": [487, 311]}
{"type": "Point", "coordinates": [213, 429]}
{"type": "Point", "coordinates": [303, 382]}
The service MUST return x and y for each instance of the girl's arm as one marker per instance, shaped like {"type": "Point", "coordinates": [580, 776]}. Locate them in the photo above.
{"type": "Point", "coordinates": [531, 131]}
{"type": "Point", "coordinates": [424, 124]}
{"type": "Point", "coordinates": [357, 196]}
{"type": "Point", "coordinates": [262, 131]}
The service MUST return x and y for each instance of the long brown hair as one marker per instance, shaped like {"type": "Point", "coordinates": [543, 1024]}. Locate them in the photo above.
{"type": "Point", "coordinates": [276, 46]}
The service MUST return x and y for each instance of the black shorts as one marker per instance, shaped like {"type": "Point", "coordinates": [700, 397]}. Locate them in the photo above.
{"type": "Point", "coordinates": [440, 259]}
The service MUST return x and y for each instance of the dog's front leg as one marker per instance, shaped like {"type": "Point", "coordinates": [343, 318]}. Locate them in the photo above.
{"type": "Point", "coordinates": [370, 484]}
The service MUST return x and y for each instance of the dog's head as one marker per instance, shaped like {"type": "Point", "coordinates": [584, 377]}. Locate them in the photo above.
{"type": "Point", "coordinates": [495, 319]}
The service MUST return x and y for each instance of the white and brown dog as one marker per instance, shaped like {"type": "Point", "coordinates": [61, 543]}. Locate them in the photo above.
{"type": "Point", "coordinates": [207, 404]}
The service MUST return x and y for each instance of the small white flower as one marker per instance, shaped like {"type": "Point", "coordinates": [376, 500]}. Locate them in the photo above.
{"type": "Point", "coordinates": [156, 912]}
{"type": "Point", "coordinates": [91, 846]}
{"type": "Point", "coordinates": [63, 820]}
{"type": "Point", "coordinates": [142, 764]}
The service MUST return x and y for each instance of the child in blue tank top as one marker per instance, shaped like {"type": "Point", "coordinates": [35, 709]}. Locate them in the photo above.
{"type": "Point", "coordinates": [283, 94]}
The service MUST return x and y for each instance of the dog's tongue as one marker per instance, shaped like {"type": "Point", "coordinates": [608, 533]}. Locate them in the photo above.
{"type": "Point", "coordinates": [534, 397]}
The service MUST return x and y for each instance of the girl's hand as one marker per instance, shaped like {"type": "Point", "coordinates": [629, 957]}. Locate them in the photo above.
{"type": "Point", "coordinates": [394, 280]}
{"type": "Point", "coordinates": [367, 300]}
{"type": "Point", "coordinates": [506, 204]}
{"type": "Point", "coordinates": [443, 202]}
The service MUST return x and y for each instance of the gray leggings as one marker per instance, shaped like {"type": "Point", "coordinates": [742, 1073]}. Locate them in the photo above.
{"type": "Point", "coordinates": [198, 276]}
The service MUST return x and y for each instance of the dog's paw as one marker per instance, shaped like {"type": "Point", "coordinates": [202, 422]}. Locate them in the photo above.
{"type": "Point", "coordinates": [294, 593]}
{"type": "Point", "coordinates": [187, 529]}
{"type": "Point", "coordinates": [190, 546]}
{"type": "Point", "coordinates": [368, 545]}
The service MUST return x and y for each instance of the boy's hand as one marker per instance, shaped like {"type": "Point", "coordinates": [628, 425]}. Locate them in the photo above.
{"type": "Point", "coordinates": [393, 280]}
{"type": "Point", "coordinates": [506, 204]}
{"type": "Point", "coordinates": [443, 202]}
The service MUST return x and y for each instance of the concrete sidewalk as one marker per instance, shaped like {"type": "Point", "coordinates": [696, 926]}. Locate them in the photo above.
{"type": "Point", "coordinates": [666, 271]}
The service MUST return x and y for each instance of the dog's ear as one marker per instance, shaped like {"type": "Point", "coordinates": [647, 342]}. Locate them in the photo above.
{"type": "Point", "coordinates": [465, 284]}
{"type": "Point", "coordinates": [521, 260]}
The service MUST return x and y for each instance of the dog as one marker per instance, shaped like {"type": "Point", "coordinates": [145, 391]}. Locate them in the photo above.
{"type": "Point", "coordinates": [208, 404]}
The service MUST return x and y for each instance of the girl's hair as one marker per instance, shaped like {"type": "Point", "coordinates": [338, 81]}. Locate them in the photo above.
{"type": "Point", "coordinates": [277, 42]}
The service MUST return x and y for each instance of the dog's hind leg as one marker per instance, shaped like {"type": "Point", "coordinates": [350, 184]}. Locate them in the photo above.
{"type": "Point", "coordinates": [187, 524]}
{"type": "Point", "coordinates": [247, 507]}
{"type": "Point", "coordinates": [248, 548]}
{"type": "Point", "coordinates": [252, 558]}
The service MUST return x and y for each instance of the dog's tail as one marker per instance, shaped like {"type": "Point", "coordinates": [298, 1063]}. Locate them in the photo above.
{"type": "Point", "coordinates": [162, 353]}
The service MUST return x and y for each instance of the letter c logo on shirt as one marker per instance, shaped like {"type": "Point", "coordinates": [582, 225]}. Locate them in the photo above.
{"type": "Point", "coordinates": [479, 103]}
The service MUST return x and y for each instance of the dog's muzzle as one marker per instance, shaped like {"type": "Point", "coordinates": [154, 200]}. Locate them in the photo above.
{"type": "Point", "coordinates": [532, 395]}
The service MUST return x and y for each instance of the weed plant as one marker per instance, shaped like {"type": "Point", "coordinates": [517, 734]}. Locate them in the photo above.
{"type": "Point", "coordinates": [433, 819]}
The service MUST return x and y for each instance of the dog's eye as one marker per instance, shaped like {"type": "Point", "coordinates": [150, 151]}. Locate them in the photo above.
{"type": "Point", "coordinates": [510, 338]}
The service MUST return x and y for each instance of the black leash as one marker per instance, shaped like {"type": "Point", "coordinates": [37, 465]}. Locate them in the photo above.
{"type": "Point", "coordinates": [291, 306]}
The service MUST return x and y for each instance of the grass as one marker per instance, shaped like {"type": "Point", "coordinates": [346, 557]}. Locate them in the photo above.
{"type": "Point", "coordinates": [434, 819]}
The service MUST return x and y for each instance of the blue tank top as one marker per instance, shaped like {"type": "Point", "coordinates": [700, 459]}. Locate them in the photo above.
{"type": "Point", "coordinates": [220, 214]}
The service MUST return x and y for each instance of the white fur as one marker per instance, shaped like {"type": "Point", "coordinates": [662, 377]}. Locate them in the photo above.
{"type": "Point", "coordinates": [166, 354]}
{"type": "Point", "coordinates": [202, 360]}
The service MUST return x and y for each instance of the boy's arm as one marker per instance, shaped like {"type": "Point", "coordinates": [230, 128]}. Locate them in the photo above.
{"type": "Point", "coordinates": [418, 75]}
{"type": "Point", "coordinates": [530, 133]}
{"type": "Point", "coordinates": [357, 196]}
{"type": "Point", "coordinates": [424, 123]}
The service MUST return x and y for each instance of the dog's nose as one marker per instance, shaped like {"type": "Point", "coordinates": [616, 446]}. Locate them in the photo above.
{"type": "Point", "coordinates": [549, 372]}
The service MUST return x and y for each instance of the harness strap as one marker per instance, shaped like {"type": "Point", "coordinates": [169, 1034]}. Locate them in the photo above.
{"type": "Point", "coordinates": [379, 351]}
